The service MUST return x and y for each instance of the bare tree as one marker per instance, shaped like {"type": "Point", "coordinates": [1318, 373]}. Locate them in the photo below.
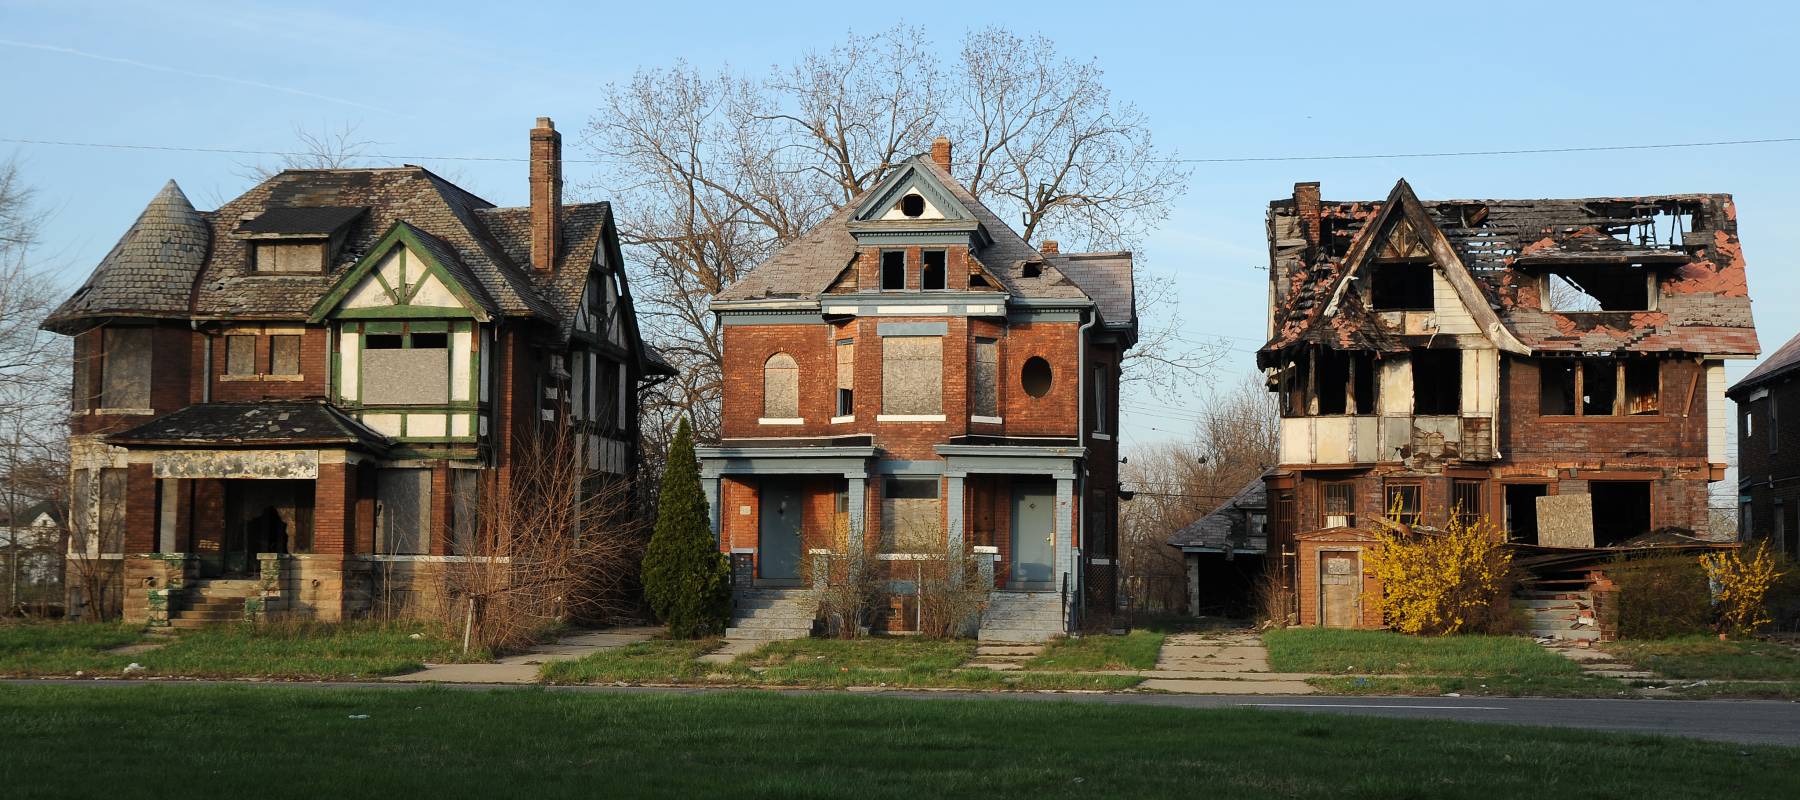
{"type": "Point", "coordinates": [714, 172]}
{"type": "Point", "coordinates": [325, 148]}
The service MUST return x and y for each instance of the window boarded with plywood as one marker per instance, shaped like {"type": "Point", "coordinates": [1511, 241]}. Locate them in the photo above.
{"type": "Point", "coordinates": [985, 393]}
{"type": "Point", "coordinates": [846, 377]}
{"type": "Point", "coordinates": [125, 368]}
{"type": "Point", "coordinates": [410, 371]}
{"type": "Point", "coordinates": [403, 511]}
{"type": "Point", "coordinates": [912, 375]}
{"type": "Point", "coordinates": [911, 516]}
{"type": "Point", "coordinates": [781, 387]}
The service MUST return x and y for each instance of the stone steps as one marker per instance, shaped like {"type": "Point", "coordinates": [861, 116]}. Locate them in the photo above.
{"type": "Point", "coordinates": [771, 614]}
{"type": "Point", "coordinates": [1022, 617]}
{"type": "Point", "coordinates": [1558, 614]}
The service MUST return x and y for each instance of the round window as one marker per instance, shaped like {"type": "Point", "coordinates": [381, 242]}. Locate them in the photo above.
{"type": "Point", "coordinates": [1036, 376]}
{"type": "Point", "coordinates": [912, 205]}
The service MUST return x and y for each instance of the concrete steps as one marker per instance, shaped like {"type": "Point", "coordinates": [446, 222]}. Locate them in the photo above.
{"type": "Point", "coordinates": [210, 602]}
{"type": "Point", "coordinates": [1559, 614]}
{"type": "Point", "coordinates": [771, 614]}
{"type": "Point", "coordinates": [1022, 617]}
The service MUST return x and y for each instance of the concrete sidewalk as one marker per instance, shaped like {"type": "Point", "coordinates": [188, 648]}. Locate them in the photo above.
{"type": "Point", "coordinates": [523, 668]}
{"type": "Point", "coordinates": [1220, 662]}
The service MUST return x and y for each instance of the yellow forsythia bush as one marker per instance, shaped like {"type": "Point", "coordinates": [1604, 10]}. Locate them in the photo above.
{"type": "Point", "coordinates": [1458, 581]}
{"type": "Point", "coordinates": [1741, 586]}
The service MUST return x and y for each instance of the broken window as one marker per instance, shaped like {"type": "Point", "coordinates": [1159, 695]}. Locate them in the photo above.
{"type": "Point", "coordinates": [402, 511]}
{"type": "Point", "coordinates": [1346, 382]}
{"type": "Point", "coordinates": [1643, 387]}
{"type": "Point", "coordinates": [912, 375]}
{"type": "Point", "coordinates": [986, 391]}
{"type": "Point", "coordinates": [846, 377]}
{"type": "Point", "coordinates": [893, 270]}
{"type": "Point", "coordinates": [411, 368]}
{"type": "Point", "coordinates": [284, 354]}
{"type": "Point", "coordinates": [125, 368]}
{"type": "Point", "coordinates": [1597, 288]}
{"type": "Point", "coordinates": [1605, 386]}
{"type": "Point", "coordinates": [1403, 502]}
{"type": "Point", "coordinates": [912, 205]}
{"type": "Point", "coordinates": [781, 387]}
{"type": "Point", "coordinates": [1556, 388]}
{"type": "Point", "coordinates": [931, 274]}
{"type": "Point", "coordinates": [1437, 382]}
{"type": "Point", "coordinates": [1035, 376]}
{"type": "Point", "coordinates": [1621, 510]}
{"type": "Point", "coordinates": [1466, 500]}
{"type": "Point", "coordinates": [240, 355]}
{"type": "Point", "coordinates": [306, 257]}
{"type": "Point", "coordinates": [1338, 505]}
{"type": "Point", "coordinates": [1521, 511]}
{"type": "Point", "coordinates": [1401, 287]}
{"type": "Point", "coordinates": [911, 521]}
{"type": "Point", "coordinates": [1599, 388]}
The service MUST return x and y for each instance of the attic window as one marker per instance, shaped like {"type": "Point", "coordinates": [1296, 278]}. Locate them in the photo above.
{"type": "Point", "coordinates": [931, 276]}
{"type": "Point", "coordinates": [912, 205]}
{"type": "Point", "coordinates": [1400, 287]}
{"type": "Point", "coordinates": [290, 256]}
{"type": "Point", "coordinates": [1597, 288]}
{"type": "Point", "coordinates": [893, 270]}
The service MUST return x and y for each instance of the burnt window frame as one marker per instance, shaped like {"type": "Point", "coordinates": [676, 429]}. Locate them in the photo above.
{"type": "Point", "coordinates": [1618, 373]}
{"type": "Point", "coordinates": [1437, 390]}
{"type": "Point", "coordinates": [1547, 276]}
{"type": "Point", "coordinates": [1403, 292]}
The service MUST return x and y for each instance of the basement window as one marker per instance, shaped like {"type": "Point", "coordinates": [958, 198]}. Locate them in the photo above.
{"type": "Point", "coordinates": [1588, 289]}
{"type": "Point", "coordinates": [1437, 382]}
{"type": "Point", "coordinates": [893, 270]}
{"type": "Point", "coordinates": [931, 275]}
{"type": "Point", "coordinates": [1400, 287]}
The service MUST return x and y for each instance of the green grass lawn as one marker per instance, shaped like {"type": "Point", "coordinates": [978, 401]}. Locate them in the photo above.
{"type": "Point", "coordinates": [285, 650]}
{"type": "Point", "coordinates": [658, 661]}
{"type": "Point", "coordinates": [1705, 657]}
{"type": "Point", "coordinates": [1486, 686]}
{"type": "Point", "coordinates": [1135, 650]}
{"type": "Point", "coordinates": [875, 652]}
{"type": "Point", "coordinates": [1337, 651]}
{"type": "Point", "coordinates": [280, 742]}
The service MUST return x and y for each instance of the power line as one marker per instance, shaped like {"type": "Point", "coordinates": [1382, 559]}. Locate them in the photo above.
{"type": "Point", "coordinates": [1218, 160]}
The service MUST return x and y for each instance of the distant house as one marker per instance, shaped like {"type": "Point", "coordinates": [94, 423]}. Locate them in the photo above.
{"type": "Point", "coordinates": [912, 379]}
{"type": "Point", "coordinates": [1768, 451]}
{"type": "Point", "coordinates": [297, 397]}
{"type": "Point", "coordinates": [1556, 366]}
{"type": "Point", "coordinates": [31, 557]}
{"type": "Point", "coordinates": [1225, 552]}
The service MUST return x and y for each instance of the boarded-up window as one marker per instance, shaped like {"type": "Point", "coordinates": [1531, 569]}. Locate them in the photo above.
{"type": "Point", "coordinates": [1338, 501]}
{"type": "Point", "coordinates": [465, 510]}
{"type": "Point", "coordinates": [125, 382]}
{"type": "Point", "coordinates": [911, 516]}
{"type": "Point", "coordinates": [912, 375]}
{"type": "Point", "coordinates": [240, 355]}
{"type": "Point", "coordinates": [416, 373]}
{"type": "Point", "coordinates": [81, 512]}
{"type": "Point", "coordinates": [1403, 502]}
{"type": "Point", "coordinates": [402, 511]}
{"type": "Point", "coordinates": [781, 387]}
{"type": "Point", "coordinates": [986, 390]}
{"type": "Point", "coordinates": [308, 257]}
{"type": "Point", "coordinates": [112, 511]}
{"type": "Point", "coordinates": [846, 377]}
{"type": "Point", "coordinates": [284, 354]}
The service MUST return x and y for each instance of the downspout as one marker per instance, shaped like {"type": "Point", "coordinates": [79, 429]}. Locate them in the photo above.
{"type": "Point", "coordinates": [1081, 436]}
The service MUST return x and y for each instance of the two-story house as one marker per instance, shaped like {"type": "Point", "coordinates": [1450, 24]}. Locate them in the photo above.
{"type": "Point", "coordinates": [912, 378]}
{"type": "Point", "coordinates": [299, 396]}
{"type": "Point", "coordinates": [1768, 453]}
{"type": "Point", "coordinates": [1555, 366]}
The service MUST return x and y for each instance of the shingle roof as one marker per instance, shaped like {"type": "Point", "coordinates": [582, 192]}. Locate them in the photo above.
{"type": "Point", "coordinates": [251, 424]}
{"type": "Point", "coordinates": [1784, 360]}
{"type": "Point", "coordinates": [805, 267]}
{"type": "Point", "coordinates": [151, 271]}
{"type": "Point", "coordinates": [1227, 527]}
{"type": "Point", "coordinates": [319, 220]}
{"type": "Point", "coordinates": [1107, 278]}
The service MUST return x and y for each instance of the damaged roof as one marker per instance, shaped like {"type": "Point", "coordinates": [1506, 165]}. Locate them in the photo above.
{"type": "Point", "coordinates": [1227, 528]}
{"type": "Point", "coordinates": [273, 423]}
{"type": "Point", "coordinates": [1690, 240]}
{"type": "Point", "coordinates": [806, 267]}
{"type": "Point", "coordinates": [176, 261]}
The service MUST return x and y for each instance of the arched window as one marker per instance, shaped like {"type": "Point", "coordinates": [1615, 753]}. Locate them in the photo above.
{"type": "Point", "coordinates": [781, 387]}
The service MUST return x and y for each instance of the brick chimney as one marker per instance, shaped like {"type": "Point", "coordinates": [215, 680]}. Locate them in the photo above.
{"type": "Point", "coordinates": [1306, 204]}
{"type": "Point", "coordinates": [546, 195]}
{"type": "Point", "coordinates": [940, 152]}
{"type": "Point", "coordinates": [1049, 247]}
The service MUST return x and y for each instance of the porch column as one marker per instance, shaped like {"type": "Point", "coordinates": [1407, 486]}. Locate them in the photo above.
{"type": "Point", "coordinates": [711, 484]}
{"type": "Point", "coordinates": [1065, 529]}
{"type": "Point", "coordinates": [953, 509]}
{"type": "Point", "coordinates": [858, 485]}
{"type": "Point", "coordinates": [169, 491]}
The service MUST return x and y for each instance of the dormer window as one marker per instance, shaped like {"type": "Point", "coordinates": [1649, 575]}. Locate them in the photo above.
{"type": "Point", "coordinates": [893, 270]}
{"type": "Point", "coordinates": [290, 257]}
{"type": "Point", "coordinates": [297, 239]}
{"type": "Point", "coordinates": [1602, 287]}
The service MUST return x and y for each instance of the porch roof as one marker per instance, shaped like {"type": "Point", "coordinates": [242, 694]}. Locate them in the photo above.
{"type": "Point", "coordinates": [269, 423]}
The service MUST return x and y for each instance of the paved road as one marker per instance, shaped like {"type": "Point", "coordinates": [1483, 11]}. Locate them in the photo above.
{"type": "Point", "coordinates": [1743, 721]}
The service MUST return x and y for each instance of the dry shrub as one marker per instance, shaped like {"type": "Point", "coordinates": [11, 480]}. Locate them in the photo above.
{"type": "Point", "coordinates": [952, 595]}
{"type": "Point", "coordinates": [1274, 600]}
{"type": "Point", "coordinates": [1661, 596]}
{"type": "Point", "coordinates": [1437, 583]}
{"type": "Point", "coordinates": [556, 543]}
{"type": "Point", "coordinates": [849, 594]}
{"type": "Point", "coordinates": [1743, 579]}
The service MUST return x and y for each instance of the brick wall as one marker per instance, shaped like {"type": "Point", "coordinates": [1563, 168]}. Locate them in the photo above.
{"type": "Point", "coordinates": [1308, 579]}
{"type": "Point", "coordinates": [315, 365]}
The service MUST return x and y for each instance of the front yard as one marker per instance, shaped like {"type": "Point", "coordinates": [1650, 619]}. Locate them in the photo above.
{"type": "Point", "coordinates": [162, 740]}
{"type": "Point", "coordinates": [300, 651]}
{"type": "Point", "coordinates": [1384, 662]}
{"type": "Point", "coordinates": [1705, 667]}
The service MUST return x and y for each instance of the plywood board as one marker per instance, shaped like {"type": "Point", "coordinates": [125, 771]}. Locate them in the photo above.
{"type": "Point", "coordinates": [1566, 520]}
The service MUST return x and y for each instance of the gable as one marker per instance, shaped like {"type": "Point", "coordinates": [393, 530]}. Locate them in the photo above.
{"type": "Point", "coordinates": [599, 317]}
{"type": "Point", "coordinates": [889, 201]}
{"type": "Point", "coordinates": [406, 275]}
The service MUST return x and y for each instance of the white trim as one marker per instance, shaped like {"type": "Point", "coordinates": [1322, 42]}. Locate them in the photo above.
{"type": "Point", "coordinates": [913, 310]}
{"type": "Point", "coordinates": [743, 550]}
{"type": "Point", "coordinates": [985, 549]}
{"type": "Point", "coordinates": [985, 420]}
{"type": "Point", "coordinates": [780, 421]}
{"type": "Point", "coordinates": [910, 418]}
{"type": "Point", "coordinates": [842, 420]}
{"type": "Point", "coordinates": [1102, 436]}
{"type": "Point", "coordinates": [1101, 561]}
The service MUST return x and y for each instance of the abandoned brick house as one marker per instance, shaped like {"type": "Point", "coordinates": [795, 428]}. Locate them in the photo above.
{"type": "Point", "coordinates": [299, 395]}
{"type": "Point", "coordinates": [1554, 366]}
{"type": "Point", "coordinates": [1768, 454]}
{"type": "Point", "coordinates": [909, 379]}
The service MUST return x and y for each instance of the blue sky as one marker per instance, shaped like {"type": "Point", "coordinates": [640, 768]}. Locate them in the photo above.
{"type": "Point", "coordinates": [1243, 79]}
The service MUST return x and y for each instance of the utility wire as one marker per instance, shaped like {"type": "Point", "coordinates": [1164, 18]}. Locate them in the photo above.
{"type": "Point", "coordinates": [1220, 160]}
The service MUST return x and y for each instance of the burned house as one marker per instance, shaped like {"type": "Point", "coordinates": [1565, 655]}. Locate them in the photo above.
{"type": "Point", "coordinates": [1768, 453]}
{"type": "Point", "coordinates": [293, 402]}
{"type": "Point", "coordinates": [1553, 366]}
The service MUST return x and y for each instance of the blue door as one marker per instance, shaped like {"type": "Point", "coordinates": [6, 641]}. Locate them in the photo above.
{"type": "Point", "coordinates": [1033, 534]}
{"type": "Point", "coordinates": [778, 534]}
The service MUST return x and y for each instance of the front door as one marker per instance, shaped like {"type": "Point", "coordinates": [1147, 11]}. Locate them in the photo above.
{"type": "Point", "coordinates": [1033, 534]}
{"type": "Point", "coordinates": [778, 535]}
{"type": "Point", "coordinates": [1340, 588]}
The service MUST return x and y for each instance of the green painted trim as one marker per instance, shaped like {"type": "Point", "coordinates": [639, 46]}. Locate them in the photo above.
{"type": "Point", "coordinates": [439, 326]}
{"type": "Point", "coordinates": [404, 312]}
{"type": "Point", "coordinates": [398, 235]}
{"type": "Point", "coordinates": [383, 327]}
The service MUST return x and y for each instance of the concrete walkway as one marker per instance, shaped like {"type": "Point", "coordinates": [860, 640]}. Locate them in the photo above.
{"type": "Point", "coordinates": [1220, 662]}
{"type": "Point", "coordinates": [523, 668]}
